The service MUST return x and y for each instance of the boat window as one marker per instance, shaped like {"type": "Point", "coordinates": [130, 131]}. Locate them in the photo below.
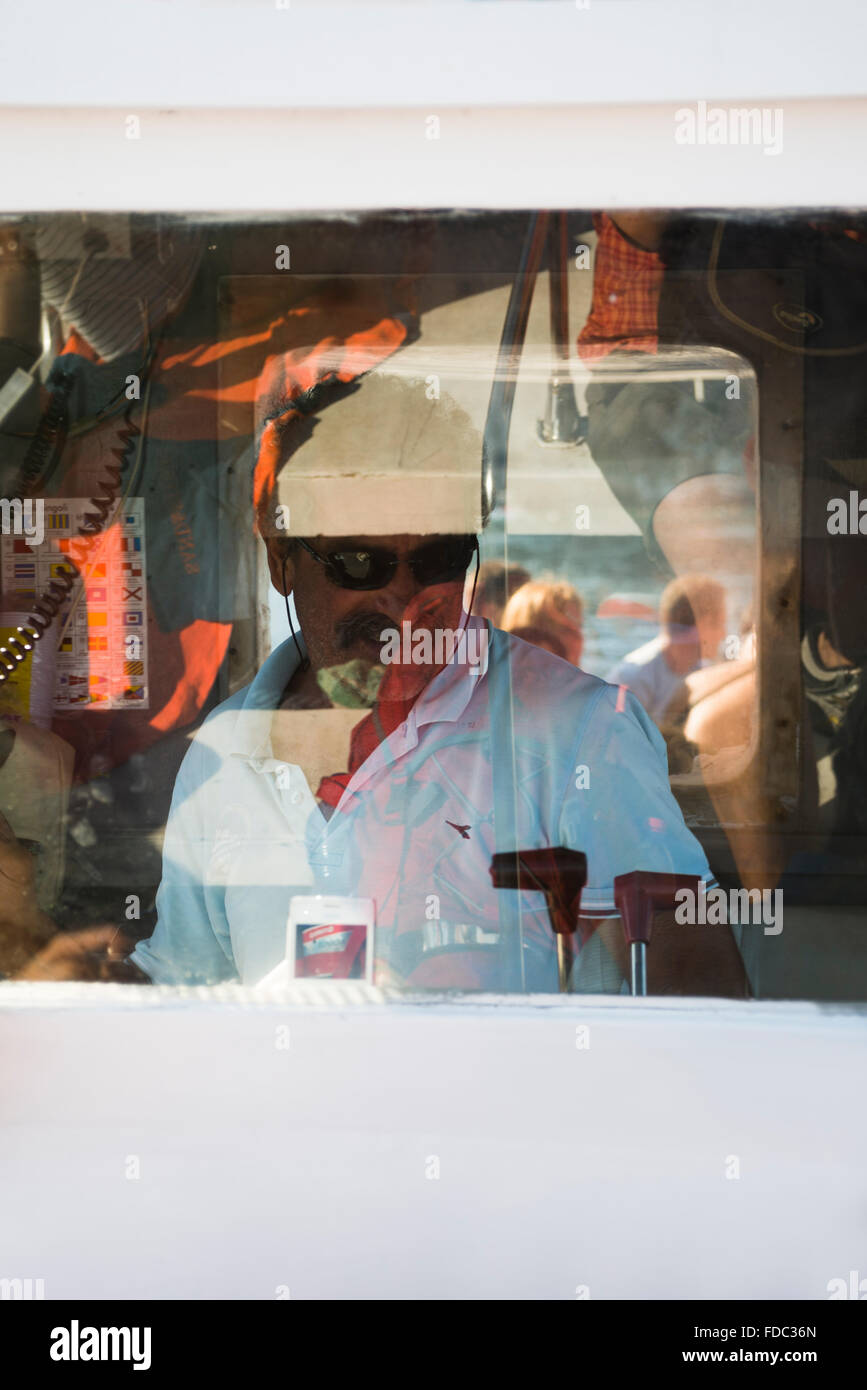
{"type": "Point", "coordinates": [443, 602]}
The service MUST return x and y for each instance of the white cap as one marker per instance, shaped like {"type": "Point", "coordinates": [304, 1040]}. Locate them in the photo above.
{"type": "Point", "coordinates": [389, 455]}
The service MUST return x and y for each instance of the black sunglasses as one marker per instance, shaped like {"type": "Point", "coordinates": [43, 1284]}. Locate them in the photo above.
{"type": "Point", "coordinates": [447, 558]}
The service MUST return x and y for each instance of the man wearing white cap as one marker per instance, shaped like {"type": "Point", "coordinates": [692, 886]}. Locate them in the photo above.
{"type": "Point", "coordinates": [362, 760]}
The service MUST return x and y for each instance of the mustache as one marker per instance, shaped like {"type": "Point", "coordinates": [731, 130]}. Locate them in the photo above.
{"type": "Point", "coordinates": [361, 627]}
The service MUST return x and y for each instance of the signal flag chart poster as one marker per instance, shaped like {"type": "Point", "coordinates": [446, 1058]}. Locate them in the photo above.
{"type": "Point", "coordinates": [102, 659]}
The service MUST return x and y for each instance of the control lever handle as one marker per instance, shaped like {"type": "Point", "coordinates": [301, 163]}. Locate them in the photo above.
{"type": "Point", "coordinates": [560, 874]}
{"type": "Point", "coordinates": [637, 895]}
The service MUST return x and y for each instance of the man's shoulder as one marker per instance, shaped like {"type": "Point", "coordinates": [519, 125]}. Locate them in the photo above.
{"type": "Point", "coordinates": [241, 721]}
{"type": "Point", "coordinates": [645, 655]}
{"type": "Point", "coordinates": [637, 667]}
{"type": "Point", "coordinates": [226, 711]}
{"type": "Point", "coordinates": [224, 730]}
{"type": "Point", "coordinates": [564, 706]}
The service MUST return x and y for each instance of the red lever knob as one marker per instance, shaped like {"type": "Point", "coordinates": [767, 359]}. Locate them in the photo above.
{"type": "Point", "coordinates": [641, 893]}
{"type": "Point", "coordinates": [557, 872]}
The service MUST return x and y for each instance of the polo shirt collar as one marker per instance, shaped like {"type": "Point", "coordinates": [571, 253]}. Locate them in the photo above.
{"type": "Point", "coordinates": [444, 700]}
{"type": "Point", "coordinates": [449, 693]}
{"type": "Point", "coordinates": [252, 733]}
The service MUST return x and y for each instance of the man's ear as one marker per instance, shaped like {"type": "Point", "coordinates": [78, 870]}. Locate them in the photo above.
{"type": "Point", "coordinates": [281, 560]}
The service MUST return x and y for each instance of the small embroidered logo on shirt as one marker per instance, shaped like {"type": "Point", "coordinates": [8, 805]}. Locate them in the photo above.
{"type": "Point", "coordinates": [463, 830]}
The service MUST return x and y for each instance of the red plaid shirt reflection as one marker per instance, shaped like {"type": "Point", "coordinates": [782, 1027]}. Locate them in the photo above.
{"type": "Point", "coordinates": [626, 286]}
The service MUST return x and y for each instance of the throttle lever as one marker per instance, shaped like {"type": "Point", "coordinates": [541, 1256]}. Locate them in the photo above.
{"type": "Point", "coordinates": [560, 874]}
{"type": "Point", "coordinates": [637, 895]}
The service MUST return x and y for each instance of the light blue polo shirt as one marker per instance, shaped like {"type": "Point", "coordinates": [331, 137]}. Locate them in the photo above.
{"type": "Point", "coordinates": [416, 827]}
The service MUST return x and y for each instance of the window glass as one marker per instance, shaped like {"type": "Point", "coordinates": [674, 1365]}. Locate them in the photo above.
{"type": "Point", "coordinates": [435, 600]}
